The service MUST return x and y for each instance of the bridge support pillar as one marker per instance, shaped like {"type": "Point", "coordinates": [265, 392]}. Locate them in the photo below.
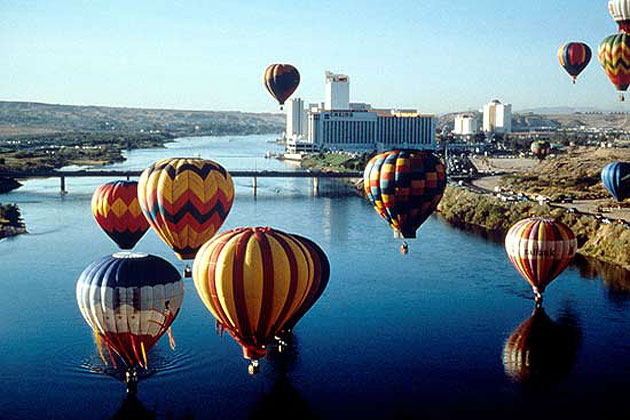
{"type": "Point", "coordinates": [254, 185]}
{"type": "Point", "coordinates": [316, 186]}
{"type": "Point", "coordinates": [63, 185]}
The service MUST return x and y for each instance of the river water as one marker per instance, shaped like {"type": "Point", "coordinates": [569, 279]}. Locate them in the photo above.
{"type": "Point", "coordinates": [408, 337]}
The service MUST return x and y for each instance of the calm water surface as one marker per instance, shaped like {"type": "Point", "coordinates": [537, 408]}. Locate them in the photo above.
{"type": "Point", "coordinates": [416, 337]}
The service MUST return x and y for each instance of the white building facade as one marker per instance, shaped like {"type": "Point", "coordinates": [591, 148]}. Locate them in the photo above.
{"type": "Point", "coordinates": [337, 92]}
{"type": "Point", "coordinates": [466, 125]}
{"type": "Point", "coordinates": [297, 120]}
{"type": "Point", "coordinates": [497, 117]}
{"type": "Point", "coordinates": [361, 131]}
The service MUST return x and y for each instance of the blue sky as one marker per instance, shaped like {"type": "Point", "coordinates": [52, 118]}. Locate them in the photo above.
{"type": "Point", "coordinates": [439, 56]}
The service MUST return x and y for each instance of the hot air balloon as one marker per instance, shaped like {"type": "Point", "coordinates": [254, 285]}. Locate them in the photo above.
{"type": "Point", "coordinates": [616, 179]}
{"type": "Point", "coordinates": [405, 187]}
{"type": "Point", "coordinates": [255, 281]}
{"type": "Point", "coordinates": [540, 352]}
{"type": "Point", "coordinates": [185, 201]}
{"type": "Point", "coordinates": [540, 249]}
{"type": "Point", "coordinates": [540, 148]}
{"type": "Point", "coordinates": [614, 56]}
{"type": "Point", "coordinates": [620, 12]}
{"type": "Point", "coordinates": [281, 80]}
{"type": "Point", "coordinates": [116, 210]}
{"type": "Point", "coordinates": [321, 275]}
{"type": "Point", "coordinates": [574, 57]}
{"type": "Point", "coordinates": [129, 300]}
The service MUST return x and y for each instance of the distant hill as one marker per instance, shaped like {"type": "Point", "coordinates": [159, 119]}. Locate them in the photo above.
{"type": "Point", "coordinates": [32, 118]}
{"type": "Point", "coordinates": [563, 110]}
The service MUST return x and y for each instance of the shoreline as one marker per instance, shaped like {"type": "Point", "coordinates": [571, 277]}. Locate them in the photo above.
{"type": "Point", "coordinates": [483, 212]}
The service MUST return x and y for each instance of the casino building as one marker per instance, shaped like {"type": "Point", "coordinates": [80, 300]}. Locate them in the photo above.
{"type": "Point", "coordinates": [338, 125]}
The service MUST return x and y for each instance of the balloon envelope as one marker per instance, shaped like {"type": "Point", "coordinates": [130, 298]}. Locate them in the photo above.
{"type": "Point", "coordinates": [281, 80]}
{"type": "Point", "coordinates": [185, 201]}
{"type": "Point", "coordinates": [540, 148]}
{"type": "Point", "coordinates": [614, 57]}
{"type": "Point", "coordinates": [116, 210]}
{"type": "Point", "coordinates": [540, 250]}
{"type": "Point", "coordinates": [616, 179]}
{"type": "Point", "coordinates": [574, 57]}
{"type": "Point", "coordinates": [405, 187]}
{"type": "Point", "coordinates": [255, 280]}
{"type": "Point", "coordinates": [620, 12]}
{"type": "Point", "coordinates": [129, 301]}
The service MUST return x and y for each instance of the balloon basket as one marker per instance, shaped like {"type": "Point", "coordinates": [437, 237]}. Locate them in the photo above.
{"type": "Point", "coordinates": [187, 272]}
{"type": "Point", "coordinates": [254, 367]}
{"type": "Point", "coordinates": [131, 381]}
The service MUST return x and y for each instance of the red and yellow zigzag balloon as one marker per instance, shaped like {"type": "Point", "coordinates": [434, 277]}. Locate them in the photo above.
{"type": "Point", "coordinates": [115, 208]}
{"type": "Point", "coordinates": [185, 201]}
{"type": "Point", "coordinates": [614, 56]}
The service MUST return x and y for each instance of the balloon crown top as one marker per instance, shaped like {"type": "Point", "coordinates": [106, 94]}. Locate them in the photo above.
{"type": "Point", "coordinates": [542, 219]}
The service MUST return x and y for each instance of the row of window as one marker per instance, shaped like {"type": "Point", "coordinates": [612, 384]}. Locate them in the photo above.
{"type": "Point", "coordinates": [385, 130]}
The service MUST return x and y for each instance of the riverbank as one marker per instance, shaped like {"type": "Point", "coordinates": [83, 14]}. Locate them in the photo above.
{"type": "Point", "coordinates": [11, 223]}
{"type": "Point", "coordinates": [604, 242]}
{"type": "Point", "coordinates": [8, 184]}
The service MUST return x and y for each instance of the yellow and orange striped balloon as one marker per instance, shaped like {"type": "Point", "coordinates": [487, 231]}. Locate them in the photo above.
{"type": "Point", "coordinates": [540, 249]}
{"type": "Point", "coordinates": [185, 201]}
{"type": "Point", "coordinates": [254, 280]}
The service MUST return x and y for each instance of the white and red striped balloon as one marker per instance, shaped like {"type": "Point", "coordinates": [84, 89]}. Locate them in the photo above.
{"type": "Point", "coordinates": [540, 249]}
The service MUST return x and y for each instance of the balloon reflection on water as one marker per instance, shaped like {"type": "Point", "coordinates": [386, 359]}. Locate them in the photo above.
{"type": "Point", "coordinates": [129, 300]}
{"type": "Point", "coordinates": [540, 352]}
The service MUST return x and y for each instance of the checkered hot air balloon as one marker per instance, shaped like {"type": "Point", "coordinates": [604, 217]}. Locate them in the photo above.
{"type": "Point", "coordinates": [614, 57]}
{"type": "Point", "coordinates": [620, 12]}
{"type": "Point", "coordinates": [116, 210]}
{"type": "Point", "coordinates": [540, 249]}
{"type": "Point", "coordinates": [129, 300]}
{"type": "Point", "coordinates": [616, 178]}
{"type": "Point", "coordinates": [281, 80]}
{"type": "Point", "coordinates": [185, 201]}
{"type": "Point", "coordinates": [405, 187]}
{"type": "Point", "coordinates": [257, 281]}
{"type": "Point", "coordinates": [574, 57]}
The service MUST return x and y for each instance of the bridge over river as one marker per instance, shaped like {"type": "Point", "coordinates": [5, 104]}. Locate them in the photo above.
{"type": "Point", "coordinates": [120, 174]}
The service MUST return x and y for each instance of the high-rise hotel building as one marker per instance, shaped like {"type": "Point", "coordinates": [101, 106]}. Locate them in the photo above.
{"type": "Point", "coordinates": [360, 131]}
{"type": "Point", "coordinates": [343, 126]}
{"type": "Point", "coordinates": [497, 117]}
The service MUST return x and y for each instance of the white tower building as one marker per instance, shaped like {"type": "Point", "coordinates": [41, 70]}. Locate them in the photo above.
{"type": "Point", "coordinates": [466, 125]}
{"type": "Point", "coordinates": [296, 119]}
{"type": "Point", "coordinates": [337, 92]}
{"type": "Point", "coordinates": [497, 117]}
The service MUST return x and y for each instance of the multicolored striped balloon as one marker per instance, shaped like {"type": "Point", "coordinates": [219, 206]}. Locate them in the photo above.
{"type": "Point", "coordinates": [620, 12]}
{"type": "Point", "coordinates": [281, 80]}
{"type": "Point", "coordinates": [116, 210]}
{"type": "Point", "coordinates": [616, 178]}
{"type": "Point", "coordinates": [185, 201]}
{"type": "Point", "coordinates": [574, 57]}
{"type": "Point", "coordinates": [256, 281]}
{"type": "Point", "coordinates": [405, 187]}
{"type": "Point", "coordinates": [614, 56]}
{"type": "Point", "coordinates": [540, 148]}
{"type": "Point", "coordinates": [129, 301]}
{"type": "Point", "coordinates": [540, 249]}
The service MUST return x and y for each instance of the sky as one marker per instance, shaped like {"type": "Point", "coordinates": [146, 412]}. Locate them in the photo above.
{"type": "Point", "coordinates": [435, 55]}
